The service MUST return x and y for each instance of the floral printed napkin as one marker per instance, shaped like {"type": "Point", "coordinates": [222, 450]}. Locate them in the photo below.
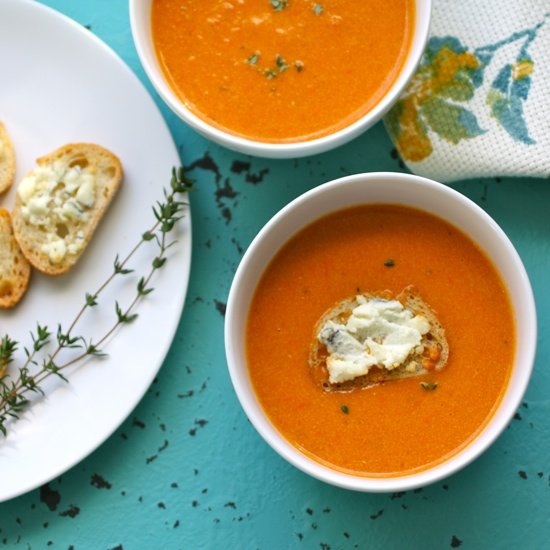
{"type": "Point", "coordinates": [479, 103]}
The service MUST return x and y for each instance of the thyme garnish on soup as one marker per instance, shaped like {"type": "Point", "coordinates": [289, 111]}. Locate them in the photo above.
{"type": "Point", "coordinates": [279, 67]}
{"type": "Point", "coordinates": [279, 5]}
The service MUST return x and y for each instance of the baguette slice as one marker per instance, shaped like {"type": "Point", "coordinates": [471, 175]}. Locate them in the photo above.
{"type": "Point", "coordinates": [7, 160]}
{"type": "Point", "coordinates": [59, 204]}
{"type": "Point", "coordinates": [15, 270]}
{"type": "Point", "coordinates": [430, 355]}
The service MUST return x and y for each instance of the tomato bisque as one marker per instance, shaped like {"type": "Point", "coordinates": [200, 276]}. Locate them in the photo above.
{"type": "Point", "coordinates": [396, 427]}
{"type": "Point", "coordinates": [281, 71]}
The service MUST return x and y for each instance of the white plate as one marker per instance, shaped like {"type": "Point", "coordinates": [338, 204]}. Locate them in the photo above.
{"type": "Point", "coordinates": [60, 84]}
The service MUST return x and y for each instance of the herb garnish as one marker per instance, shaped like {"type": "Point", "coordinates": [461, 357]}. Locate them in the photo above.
{"type": "Point", "coordinates": [317, 9]}
{"type": "Point", "coordinates": [429, 386]}
{"type": "Point", "coordinates": [253, 59]}
{"type": "Point", "coordinates": [279, 5]}
{"type": "Point", "coordinates": [344, 409]}
{"type": "Point", "coordinates": [40, 365]}
{"type": "Point", "coordinates": [280, 65]}
{"type": "Point", "coordinates": [389, 263]}
{"type": "Point", "coordinates": [280, 62]}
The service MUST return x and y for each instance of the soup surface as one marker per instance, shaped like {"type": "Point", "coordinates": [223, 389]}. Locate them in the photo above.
{"type": "Point", "coordinates": [400, 426]}
{"type": "Point", "coordinates": [281, 70]}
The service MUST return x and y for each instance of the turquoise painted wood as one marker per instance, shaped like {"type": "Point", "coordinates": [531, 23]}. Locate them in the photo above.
{"type": "Point", "coordinates": [187, 470]}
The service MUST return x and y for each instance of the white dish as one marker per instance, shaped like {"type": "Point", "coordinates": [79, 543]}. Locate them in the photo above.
{"type": "Point", "coordinates": [61, 84]}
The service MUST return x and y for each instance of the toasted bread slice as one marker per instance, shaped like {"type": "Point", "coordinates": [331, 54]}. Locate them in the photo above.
{"type": "Point", "coordinates": [15, 270]}
{"type": "Point", "coordinates": [7, 160]}
{"type": "Point", "coordinates": [429, 355]}
{"type": "Point", "coordinates": [59, 204]}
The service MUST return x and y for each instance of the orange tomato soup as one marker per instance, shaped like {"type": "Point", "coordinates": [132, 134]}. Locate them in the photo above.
{"type": "Point", "coordinates": [281, 70]}
{"type": "Point", "coordinates": [397, 427]}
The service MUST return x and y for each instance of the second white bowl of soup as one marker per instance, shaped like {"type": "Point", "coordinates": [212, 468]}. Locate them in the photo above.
{"type": "Point", "coordinates": [372, 237]}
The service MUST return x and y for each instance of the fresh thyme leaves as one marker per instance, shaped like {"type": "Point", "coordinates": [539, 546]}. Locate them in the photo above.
{"type": "Point", "coordinates": [428, 386]}
{"type": "Point", "coordinates": [344, 409]}
{"type": "Point", "coordinates": [90, 300]}
{"type": "Point", "coordinates": [7, 349]}
{"type": "Point", "coordinates": [119, 268]}
{"type": "Point", "coordinates": [279, 5]}
{"type": "Point", "coordinates": [15, 388]}
{"type": "Point", "coordinates": [317, 9]}
{"type": "Point", "coordinates": [389, 263]}
{"type": "Point", "coordinates": [124, 317]}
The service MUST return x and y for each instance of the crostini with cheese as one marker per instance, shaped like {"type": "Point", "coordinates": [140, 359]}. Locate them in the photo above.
{"type": "Point", "coordinates": [59, 204]}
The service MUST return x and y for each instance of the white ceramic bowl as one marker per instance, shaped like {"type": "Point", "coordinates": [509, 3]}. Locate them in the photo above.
{"type": "Point", "coordinates": [140, 15]}
{"type": "Point", "coordinates": [394, 188]}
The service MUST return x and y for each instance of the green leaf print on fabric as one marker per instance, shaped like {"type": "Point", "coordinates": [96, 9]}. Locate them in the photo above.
{"type": "Point", "coordinates": [437, 100]}
{"type": "Point", "coordinates": [445, 77]}
{"type": "Point", "coordinates": [451, 122]}
{"type": "Point", "coordinates": [508, 92]}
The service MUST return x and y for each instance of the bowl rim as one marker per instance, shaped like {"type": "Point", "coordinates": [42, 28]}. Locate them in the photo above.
{"type": "Point", "coordinates": [143, 44]}
{"type": "Point", "coordinates": [526, 333]}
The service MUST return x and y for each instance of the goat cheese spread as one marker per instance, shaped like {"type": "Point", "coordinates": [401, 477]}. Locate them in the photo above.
{"type": "Point", "coordinates": [378, 332]}
{"type": "Point", "coordinates": [54, 197]}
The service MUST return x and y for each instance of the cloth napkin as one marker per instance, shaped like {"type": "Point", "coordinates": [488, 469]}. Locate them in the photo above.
{"type": "Point", "coordinates": [479, 102]}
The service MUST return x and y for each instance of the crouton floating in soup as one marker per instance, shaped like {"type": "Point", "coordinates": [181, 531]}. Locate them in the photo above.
{"type": "Point", "coordinates": [370, 339]}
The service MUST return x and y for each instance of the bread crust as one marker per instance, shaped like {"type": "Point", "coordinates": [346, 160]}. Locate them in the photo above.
{"type": "Point", "coordinates": [7, 160]}
{"type": "Point", "coordinates": [15, 270]}
{"type": "Point", "coordinates": [92, 159]}
{"type": "Point", "coordinates": [432, 357]}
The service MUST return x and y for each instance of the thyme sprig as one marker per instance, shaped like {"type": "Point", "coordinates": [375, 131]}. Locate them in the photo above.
{"type": "Point", "coordinates": [16, 388]}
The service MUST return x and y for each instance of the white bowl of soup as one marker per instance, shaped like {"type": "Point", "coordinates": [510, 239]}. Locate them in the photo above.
{"type": "Point", "coordinates": [380, 233]}
{"type": "Point", "coordinates": [280, 78]}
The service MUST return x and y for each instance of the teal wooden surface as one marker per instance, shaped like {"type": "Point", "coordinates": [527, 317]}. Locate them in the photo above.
{"type": "Point", "coordinates": [187, 470]}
